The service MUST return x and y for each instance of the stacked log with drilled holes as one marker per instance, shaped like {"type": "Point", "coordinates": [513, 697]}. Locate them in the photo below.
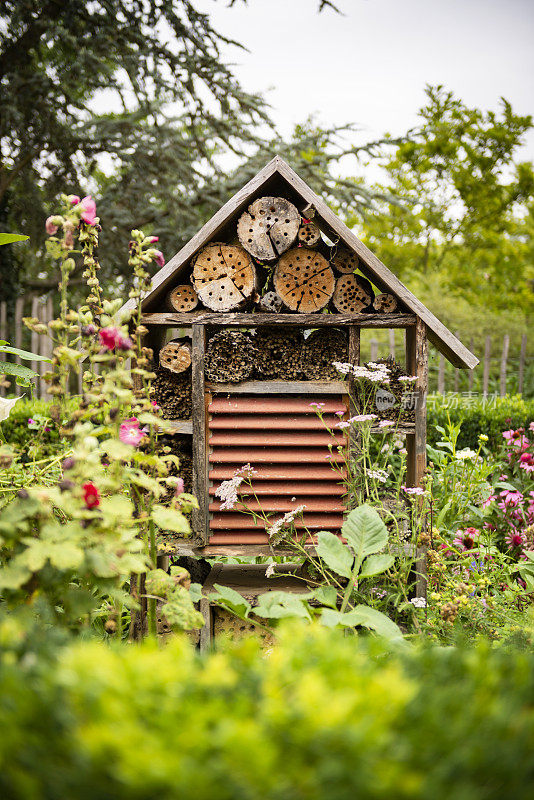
{"type": "Point", "coordinates": [276, 260]}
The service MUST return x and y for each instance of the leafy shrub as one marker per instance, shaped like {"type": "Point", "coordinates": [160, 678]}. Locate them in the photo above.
{"type": "Point", "coordinates": [490, 417]}
{"type": "Point", "coordinates": [19, 430]}
{"type": "Point", "coordinates": [322, 716]}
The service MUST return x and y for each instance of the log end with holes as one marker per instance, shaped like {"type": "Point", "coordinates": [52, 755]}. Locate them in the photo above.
{"type": "Point", "coordinates": [176, 356]}
{"type": "Point", "coordinates": [353, 294]}
{"type": "Point", "coordinates": [269, 227]}
{"type": "Point", "coordinates": [385, 303]}
{"type": "Point", "coordinates": [344, 261]}
{"type": "Point", "coordinates": [182, 299]}
{"type": "Point", "coordinates": [304, 281]}
{"type": "Point", "coordinates": [224, 277]}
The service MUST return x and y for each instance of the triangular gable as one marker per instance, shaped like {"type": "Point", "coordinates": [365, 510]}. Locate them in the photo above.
{"type": "Point", "coordinates": [277, 178]}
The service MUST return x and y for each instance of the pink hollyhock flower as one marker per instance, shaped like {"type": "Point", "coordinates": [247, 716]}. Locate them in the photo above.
{"type": "Point", "coordinates": [124, 343]}
{"type": "Point", "coordinates": [69, 236]}
{"type": "Point", "coordinates": [130, 433]}
{"type": "Point", "coordinates": [50, 226]}
{"type": "Point", "coordinates": [74, 199]}
{"type": "Point", "coordinates": [515, 539]}
{"type": "Point", "coordinates": [179, 486]}
{"type": "Point", "coordinates": [89, 210]}
{"type": "Point", "coordinates": [153, 239]}
{"type": "Point", "coordinates": [466, 540]}
{"type": "Point", "coordinates": [160, 259]}
{"type": "Point", "coordinates": [531, 427]}
{"type": "Point", "coordinates": [109, 337]}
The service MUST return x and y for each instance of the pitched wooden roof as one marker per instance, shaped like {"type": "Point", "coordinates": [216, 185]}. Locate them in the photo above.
{"type": "Point", "coordinates": [277, 178]}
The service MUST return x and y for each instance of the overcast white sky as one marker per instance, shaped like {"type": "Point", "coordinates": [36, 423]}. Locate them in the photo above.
{"type": "Point", "coordinates": [371, 65]}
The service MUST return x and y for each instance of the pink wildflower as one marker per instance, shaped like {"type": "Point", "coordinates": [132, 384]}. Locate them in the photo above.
{"type": "Point", "coordinates": [179, 486]}
{"type": "Point", "coordinates": [531, 427]}
{"type": "Point", "coordinates": [153, 239]}
{"type": "Point", "coordinates": [385, 423]}
{"type": "Point", "coordinates": [514, 539]}
{"type": "Point", "coordinates": [89, 210]}
{"type": "Point", "coordinates": [50, 226]}
{"type": "Point", "coordinates": [130, 433]}
{"type": "Point", "coordinates": [111, 338]}
{"type": "Point", "coordinates": [466, 540]}
{"type": "Point", "coordinates": [416, 490]}
{"type": "Point", "coordinates": [74, 199]}
{"type": "Point", "coordinates": [317, 405]}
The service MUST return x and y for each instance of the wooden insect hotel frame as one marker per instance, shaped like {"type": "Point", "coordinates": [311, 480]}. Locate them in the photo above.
{"type": "Point", "coordinates": [269, 293]}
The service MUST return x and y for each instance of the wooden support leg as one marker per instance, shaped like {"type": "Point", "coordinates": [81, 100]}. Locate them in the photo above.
{"type": "Point", "coordinates": [417, 364]}
{"type": "Point", "coordinates": [200, 516]}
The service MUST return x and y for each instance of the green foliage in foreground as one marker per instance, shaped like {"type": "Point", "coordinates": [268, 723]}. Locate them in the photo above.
{"type": "Point", "coordinates": [490, 417]}
{"type": "Point", "coordinates": [321, 716]}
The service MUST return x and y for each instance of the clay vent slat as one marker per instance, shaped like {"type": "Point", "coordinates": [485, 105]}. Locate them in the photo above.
{"type": "Point", "coordinates": [288, 445]}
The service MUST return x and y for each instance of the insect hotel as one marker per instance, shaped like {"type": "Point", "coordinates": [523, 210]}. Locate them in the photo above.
{"type": "Point", "coordinates": [245, 323]}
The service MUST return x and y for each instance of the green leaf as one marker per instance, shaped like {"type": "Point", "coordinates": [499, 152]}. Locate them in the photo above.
{"type": "Point", "coordinates": [25, 354]}
{"type": "Point", "coordinates": [195, 590]}
{"type": "Point", "coordinates": [232, 600]}
{"type": "Point", "coordinates": [330, 618]}
{"type": "Point", "coordinates": [117, 450]}
{"type": "Point", "coordinates": [168, 519]}
{"type": "Point", "coordinates": [334, 553]}
{"type": "Point", "coordinates": [365, 531]}
{"type": "Point", "coordinates": [376, 564]}
{"type": "Point", "coordinates": [65, 556]}
{"type": "Point", "coordinates": [326, 595]}
{"type": "Point", "coordinates": [9, 238]}
{"type": "Point", "coordinates": [373, 620]}
{"type": "Point", "coordinates": [14, 576]}
{"type": "Point", "coordinates": [281, 605]}
{"type": "Point", "coordinates": [180, 612]}
{"type": "Point", "coordinates": [146, 482]}
{"type": "Point", "coordinates": [24, 375]}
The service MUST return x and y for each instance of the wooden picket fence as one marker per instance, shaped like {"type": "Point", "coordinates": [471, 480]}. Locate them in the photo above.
{"type": "Point", "coordinates": [498, 373]}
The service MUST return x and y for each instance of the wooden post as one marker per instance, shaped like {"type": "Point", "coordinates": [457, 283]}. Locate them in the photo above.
{"type": "Point", "coordinates": [374, 349]}
{"type": "Point", "coordinates": [353, 358]}
{"type": "Point", "coordinates": [391, 333]}
{"type": "Point", "coordinates": [200, 516]}
{"type": "Point", "coordinates": [470, 375]}
{"type": "Point", "coordinates": [456, 372]}
{"type": "Point", "coordinates": [504, 359]}
{"type": "Point", "coordinates": [441, 374]}
{"type": "Point", "coordinates": [522, 358]}
{"type": "Point", "coordinates": [19, 327]}
{"type": "Point", "coordinates": [34, 339]}
{"type": "Point", "coordinates": [417, 364]}
{"type": "Point", "coordinates": [487, 356]}
{"type": "Point", "coordinates": [3, 335]}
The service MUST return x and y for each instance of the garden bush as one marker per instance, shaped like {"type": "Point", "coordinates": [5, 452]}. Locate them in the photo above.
{"type": "Point", "coordinates": [29, 423]}
{"type": "Point", "coordinates": [320, 716]}
{"type": "Point", "coordinates": [490, 417]}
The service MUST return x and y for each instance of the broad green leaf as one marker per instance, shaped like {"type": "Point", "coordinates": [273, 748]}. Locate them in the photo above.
{"type": "Point", "coordinates": [116, 449]}
{"type": "Point", "coordinates": [36, 554]}
{"type": "Point", "coordinates": [9, 238]}
{"type": "Point", "coordinates": [376, 564]}
{"type": "Point", "coordinates": [281, 605]}
{"type": "Point", "coordinates": [65, 556]}
{"type": "Point", "coordinates": [195, 590]}
{"type": "Point", "coordinates": [373, 620]}
{"type": "Point", "coordinates": [148, 483]}
{"type": "Point", "coordinates": [180, 612]}
{"type": "Point", "coordinates": [116, 507]}
{"type": "Point", "coordinates": [330, 618]}
{"type": "Point", "coordinates": [24, 375]}
{"type": "Point", "coordinates": [168, 519]}
{"type": "Point", "coordinates": [232, 600]}
{"type": "Point", "coordinates": [365, 531]}
{"type": "Point", "coordinates": [14, 576]}
{"type": "Point", "coordinates": [334, 553]}
{"type": "Point", "coordinates": [326, 595]}
{"type": "Point", "coordinates": [25, 354]}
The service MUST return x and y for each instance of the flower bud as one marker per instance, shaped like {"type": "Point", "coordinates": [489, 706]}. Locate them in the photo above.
{"type": "Point", "coordinates": [68, 463]}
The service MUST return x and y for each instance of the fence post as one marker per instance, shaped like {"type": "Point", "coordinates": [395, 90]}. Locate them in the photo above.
{"type": "Point", "coordinates": [504, 359]}
{"type": "Point", "coordinates": [470, 375]}
{"type": "Point", "coordinates": [456, 371]}
{"type": "Point", "coordinates": [34, 346]}
{"type": "Point", "coordinates": [19, 313]}
{"type": "Point", "coordinates": [522, 358]}
{"type": "Point", "coordinates": [374, 349]}
{"type": "Point", "coordinates": [391, 333]}
{"type": "Point", "coordinates": [487, 356]}
{"type": "Point", "coordinates": [441, 374]}
{"type": "Point", "coordinates": [3, 335]}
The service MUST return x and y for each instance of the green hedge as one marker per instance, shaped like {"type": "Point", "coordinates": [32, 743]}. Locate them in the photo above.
{"type": "Point", "coordinates": [491, 416]}
{"type": "Point", "coordinates": [321, 717]}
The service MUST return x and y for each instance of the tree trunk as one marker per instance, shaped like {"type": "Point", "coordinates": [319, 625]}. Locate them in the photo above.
{"type": "Point", "coordinates": [230, 357]}
{"type": "Point", "coordinates": [224, 277]}
{"type": "Point", "coordinates": [182, 298]}
{"type": "Point", "coordinates": [304, 280]}
{"type": "Point", "coordinates": [269, 227]}
{"type": "Point", "coordinates": [353, 294]}
{"type": "Point", "coordinates": [176, 355]}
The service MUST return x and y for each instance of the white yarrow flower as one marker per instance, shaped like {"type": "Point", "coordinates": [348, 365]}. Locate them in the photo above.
{"type": "Point", "coordinates": [418, 602]}
{"type": "Point", "coordinates": [269, 572]}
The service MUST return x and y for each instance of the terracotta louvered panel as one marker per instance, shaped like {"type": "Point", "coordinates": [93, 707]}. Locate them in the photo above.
{"type": "Point", "coordinates": [275, 404]}
{"type": "Point", "coordinates": [295, 458]}
{"type": "Point", "coordinates": [278, 472]}
{"type": "Point", "coordinates": [281, 487]}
